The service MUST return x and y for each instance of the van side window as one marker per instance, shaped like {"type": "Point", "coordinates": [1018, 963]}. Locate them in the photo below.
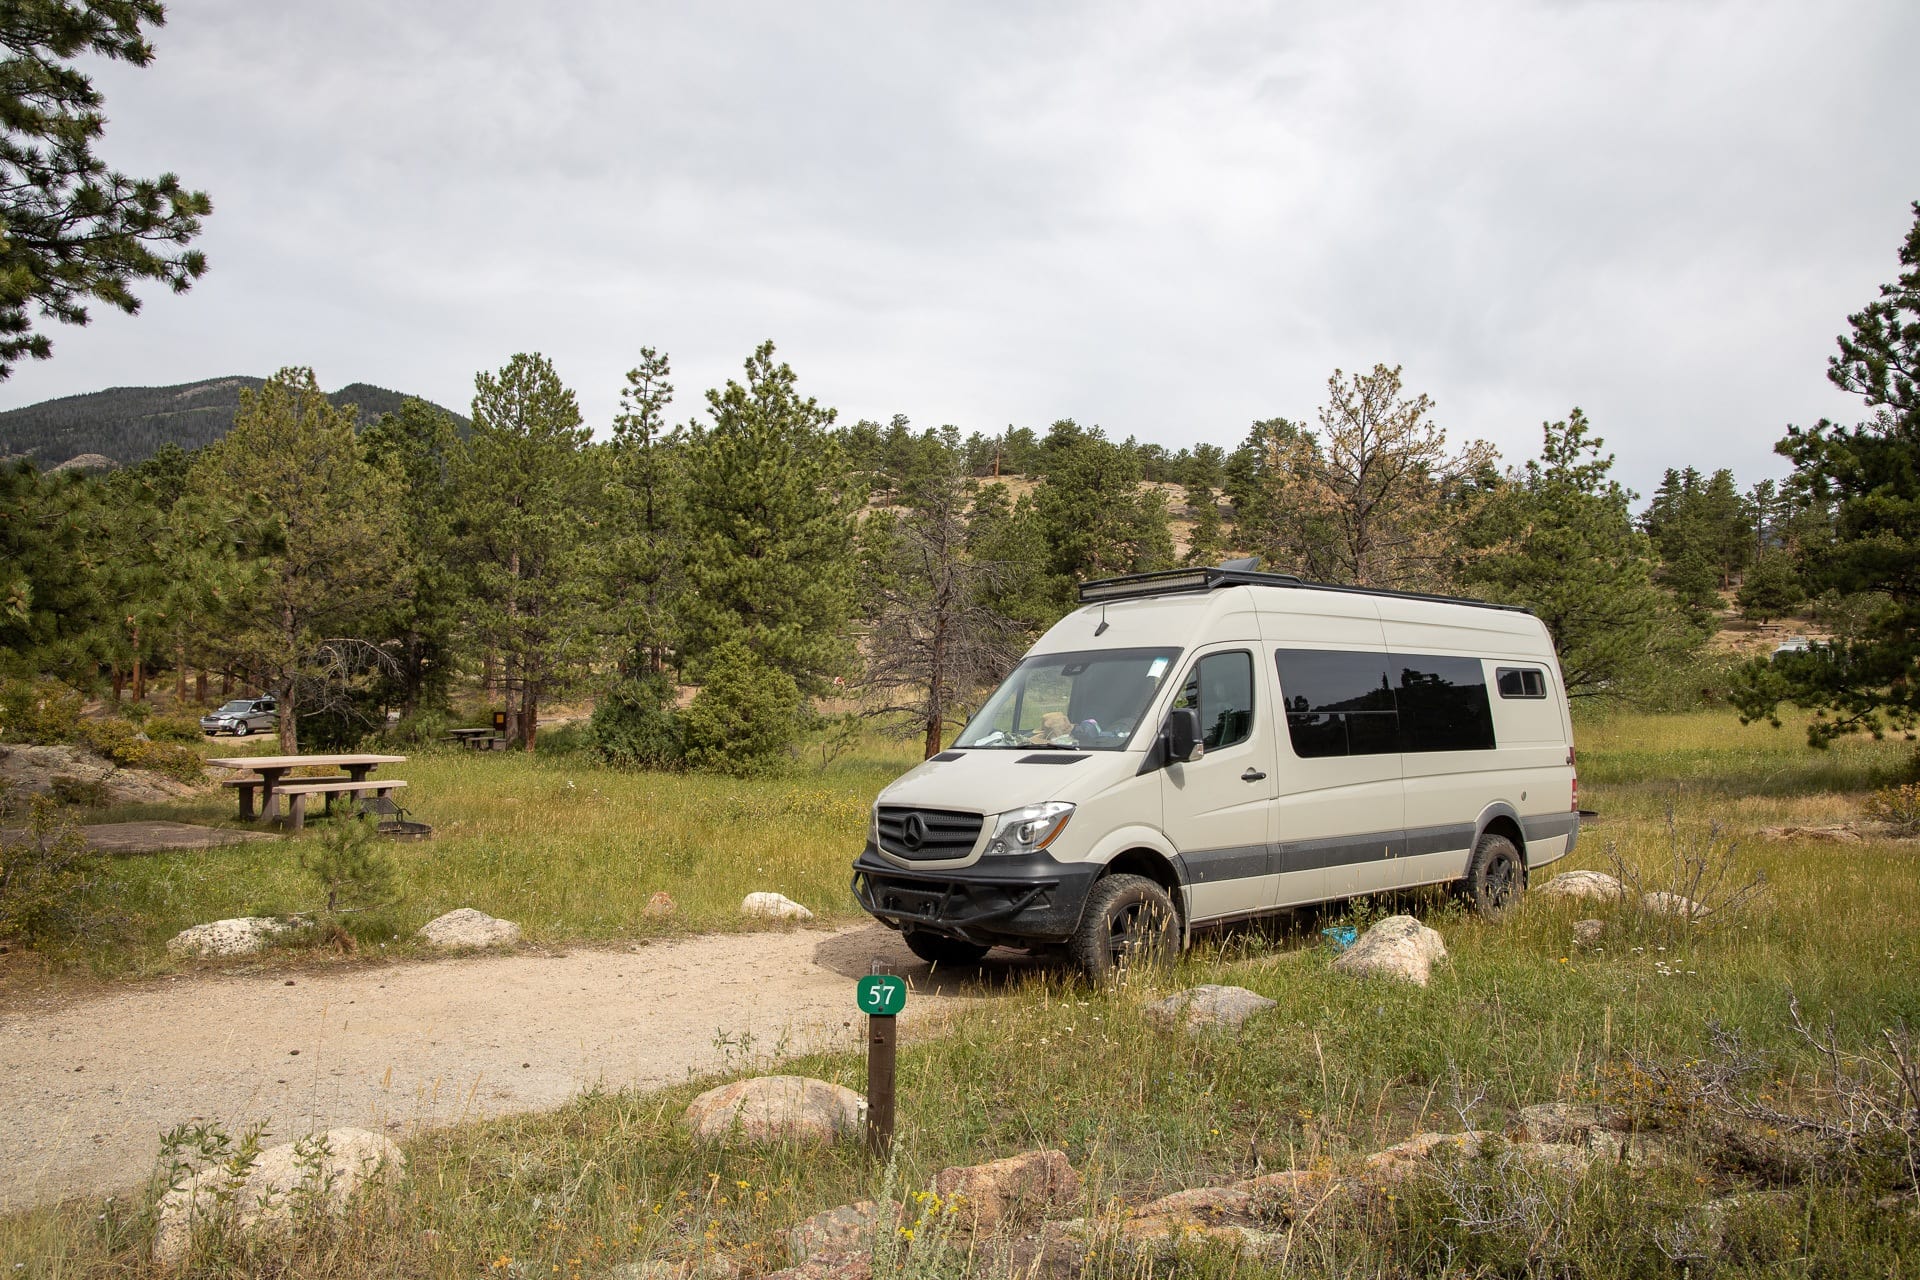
{"type": "Point", "coordinates": [1521, 682]}
{"type": "Point", "coordinates": [1220, 688]}
{"type": "Point", "coordinates": [1443, 704]}
{"type": "Point", "coordinates": [1338, 704]}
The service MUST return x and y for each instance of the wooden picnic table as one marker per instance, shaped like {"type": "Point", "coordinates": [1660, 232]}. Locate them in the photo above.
{"type": "Point", "coordinates": [273, 771]}
{"type": "Point", "coordinates": [478, 739]}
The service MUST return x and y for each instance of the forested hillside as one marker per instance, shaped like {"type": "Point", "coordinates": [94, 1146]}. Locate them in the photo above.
{"type": "Point", "coordinates": [129, 424]}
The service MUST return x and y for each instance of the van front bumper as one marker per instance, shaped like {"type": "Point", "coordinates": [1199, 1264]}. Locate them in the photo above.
{"type": "Point", "coordinates": [995, 902]}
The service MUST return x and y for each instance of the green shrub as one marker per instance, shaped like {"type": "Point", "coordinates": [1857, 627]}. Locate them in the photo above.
{"type": "Point", "coordinates": [86, 793]}
{"type": "Point", "coordinates": [351, 865]}
{"type": "Point", "coordinates": [635, 725]}
{"type": "Point", "coordinates": [746, 717]}
{"type": "Point", "coordinates": [174, 727]}
{"type": "Point", "coordinates": [38, 710]}
{"type": "Point", "coordinates": [123, 744]}
{"type": "Point", "coordinates": [50, 882]}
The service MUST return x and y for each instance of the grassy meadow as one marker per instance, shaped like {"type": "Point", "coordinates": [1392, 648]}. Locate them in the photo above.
{"type": "Point", "coordinates": [1517, 1015]}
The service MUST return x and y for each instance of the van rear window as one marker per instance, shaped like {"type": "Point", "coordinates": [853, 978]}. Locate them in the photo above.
{"type": "Point", "coordinates": [1521, 682]}
{"type": "Point", "coordinates": [1341, 703]}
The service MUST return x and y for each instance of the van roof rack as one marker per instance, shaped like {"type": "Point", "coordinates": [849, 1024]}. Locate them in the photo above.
{"type": "Point", "coordinates": [1170, 582]}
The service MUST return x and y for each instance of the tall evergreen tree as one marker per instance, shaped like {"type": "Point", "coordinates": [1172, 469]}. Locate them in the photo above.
{"type": "Point", "coordinates": [1097, 520]}
{"type": "Point", "coordinates": [1868, 477]}
{"type": "Point", "coordinates": [641, 542]}
{"type": "Point", "coordinates": [527, 500]}
{"type": "Point", "coordinates": [421, 444]}
{"type": "Point", "coordinates": [770, 529]}
{"type": "Point", "coordinates": [320, 551]}
{"type": "Point", "coordinates": [1558, 537]}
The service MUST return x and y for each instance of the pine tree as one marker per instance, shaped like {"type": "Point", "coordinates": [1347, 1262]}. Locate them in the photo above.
{"type": "Point", "coordinates": [74, 231]}
{"type": "Point", "coordinates": [528, 498]}
{"type": "Point", "coordinates": [1558, 538]}
{"type": "Point", "coordinates": [1866, 478]}
{"type": "Point", "coordinates": [642, 554]}
{"type": "Point", "coordinates": [421, 444]}
{"type": "Point", "coordinates": [1097, 521]}
{"type": "Point", "coordinates": [1203, 541]}
{"type": "Point", "coordinates": [320, 553]}
{"type": "Point", "coordinates": [770, 530]}
{"type": "Point", "coordinates": [1771, 588]}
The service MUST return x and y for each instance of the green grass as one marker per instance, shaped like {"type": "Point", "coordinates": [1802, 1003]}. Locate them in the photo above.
{"type": "Point", "coordinates": [1338, 1069]}
{"type": "Point", "coordinates": [569, 849]}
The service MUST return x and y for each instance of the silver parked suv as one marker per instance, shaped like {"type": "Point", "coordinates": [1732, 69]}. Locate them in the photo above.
{"type": "Point", "coordinates": [242, 716]}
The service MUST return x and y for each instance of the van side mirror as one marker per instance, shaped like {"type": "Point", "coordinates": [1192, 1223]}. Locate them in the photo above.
{"type": "Point", "coordinates": [1182, 734]}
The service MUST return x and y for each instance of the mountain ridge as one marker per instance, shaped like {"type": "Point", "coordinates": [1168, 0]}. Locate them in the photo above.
{"type": "Point", "coordinates": [128, 424]}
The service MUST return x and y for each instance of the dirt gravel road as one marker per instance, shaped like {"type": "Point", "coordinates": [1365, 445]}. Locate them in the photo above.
{"type": "Point", "coordinates": [90, 1085]}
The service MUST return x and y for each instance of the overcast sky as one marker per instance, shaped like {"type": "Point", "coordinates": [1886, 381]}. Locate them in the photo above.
{"type": "Point", "coordinates": [1166, 220]}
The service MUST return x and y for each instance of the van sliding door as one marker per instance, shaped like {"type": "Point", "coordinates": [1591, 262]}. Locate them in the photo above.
{"type": "Point", "coordinates": [1340, 811]}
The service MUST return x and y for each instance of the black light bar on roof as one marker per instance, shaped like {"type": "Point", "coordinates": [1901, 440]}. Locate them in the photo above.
{"type": "Point", "coordinates": [1167, 582]}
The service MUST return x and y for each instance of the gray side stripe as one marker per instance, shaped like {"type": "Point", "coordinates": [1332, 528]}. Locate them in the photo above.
{"type": "Point", "coordinates": [1210, 866]}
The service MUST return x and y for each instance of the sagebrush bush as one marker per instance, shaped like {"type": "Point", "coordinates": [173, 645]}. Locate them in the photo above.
{"type": "Point", "coordinates": [88, 793]}
{"type": "Point", "coordinates": [174, 727]}
{"type": "Point", "coordinates": [121, 743]}
{"type": "Point", "coordinates": [1898, 807]}
{"type": "Point", "coordinates": [39, 710]}
{"type": "Point", "coordinates": [50, 882]}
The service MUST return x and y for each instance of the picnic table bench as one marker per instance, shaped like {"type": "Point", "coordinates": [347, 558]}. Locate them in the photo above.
{"type": "Point", "coordinates": [478, 739]}
{"type": "Point", "coordinates": [273, 781]}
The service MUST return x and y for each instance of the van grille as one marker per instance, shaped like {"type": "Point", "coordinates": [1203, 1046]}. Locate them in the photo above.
{"type": "Point", "coordinates": [941, 833]}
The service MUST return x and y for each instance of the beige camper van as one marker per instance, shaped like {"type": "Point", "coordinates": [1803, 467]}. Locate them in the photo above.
{"type": "Point", "coordinates": [1199, 746]}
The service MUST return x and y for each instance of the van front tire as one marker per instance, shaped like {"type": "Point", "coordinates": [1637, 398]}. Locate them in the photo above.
{"type": "Point", "coordinates": [1496, 877]}
{"type": "Point", "coordinates": [938, 948]}
{"type": "Point", "coordinates": [1129, 920]}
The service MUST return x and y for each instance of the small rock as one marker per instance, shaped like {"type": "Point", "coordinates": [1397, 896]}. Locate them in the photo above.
{"type": "Point", "coordinates": [1825, 835]}
{"type": "Point", "coordinates": [713, 1266]}
{"type": "Point", "coordinates": [264, 1198]}
{"type": "Point", "coordinates": [1596, 886]}
{"type": "Point", "coordinates": [466, 928]}
{"type": "Point", "coordinates": [660, 905]}
{"type": "Point", "coordinates": [1673, 904]}
{"type": "Point", "coordinates": [1397, 947]}
{"type": "Point", "coordinates": [1587, 933]}
{"type": "Point", "coordinates": [988, 1194]}
{"type": "Point", "coordinates": [774, 1109]}
{"type": "Point", "coordinates": [1201, 1203]}
{"type": "Point", "coordinates": [835, 1232]}
{"type": "Point", "coordinates": [1560, 1122]}
{"type": "Point", "coordinates": [858, 1266]}
{"type": "Point", "coordinates": [1402, 1160]}
{"type": "Point", "coordinates": [773, 906]}
{"type": "Point", "coordinates": [1208, 1006]}
{"type": "Point", "coordinates": [242, 936]}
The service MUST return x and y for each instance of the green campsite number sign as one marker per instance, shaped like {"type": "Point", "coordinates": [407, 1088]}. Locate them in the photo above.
{"type": "Point", "coordinates": [881, 994]}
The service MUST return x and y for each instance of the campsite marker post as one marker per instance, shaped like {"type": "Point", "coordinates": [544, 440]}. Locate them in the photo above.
{"type": "Point", "coordinates": [881, 996]}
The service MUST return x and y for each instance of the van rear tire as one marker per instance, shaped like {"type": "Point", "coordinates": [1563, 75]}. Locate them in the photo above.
{"type": "Point", "coordinates": [1496, 876]}
{"type": "Point", "coordinates": [1129, 920]}
{"type": "Point", "coordinates": [938, 948]}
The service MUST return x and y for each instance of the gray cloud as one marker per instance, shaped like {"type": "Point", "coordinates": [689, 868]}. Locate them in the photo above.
{"type": "Point", "coordinates": [1168, 220]}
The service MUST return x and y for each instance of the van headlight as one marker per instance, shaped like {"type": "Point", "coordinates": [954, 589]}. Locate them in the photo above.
{"type": "Point", "coordinates": [1031, 829]}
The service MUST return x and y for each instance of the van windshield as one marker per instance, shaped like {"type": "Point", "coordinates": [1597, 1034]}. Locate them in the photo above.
{"type": "Point", "coordinates": [1087, 701]}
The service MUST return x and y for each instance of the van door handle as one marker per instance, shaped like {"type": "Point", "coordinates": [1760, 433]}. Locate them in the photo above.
{"type": "Point", "coordinates": [1252, 775]}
